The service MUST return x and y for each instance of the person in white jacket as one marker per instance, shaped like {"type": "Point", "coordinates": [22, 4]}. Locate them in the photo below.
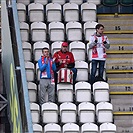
{"type": "Point", "coordinates": [98, 43]}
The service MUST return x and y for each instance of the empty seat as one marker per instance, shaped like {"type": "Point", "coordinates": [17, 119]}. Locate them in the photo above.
{"type": "Point", "coordinates": [101, 91]}
{"type": "Point", "coordinates": [52, 128]}
{"type": "Point", "coordinates": [37, 49]}
{"type": "Point", "coordinates": [97, 2]}
{"type": "Point", "coordinates": [43, 2]}
{"type": "Point", "coordinates": [37, 128]}
{"type": "Point", "coordinates": [82, 70]}
{"type": "Point", "coordinates": [53, 12]}
{"type": "Point", "coordinates": [27, 51]}
{"type": "Point", "coordinates": [110, 3]}
{"type": "Point", "coordinates": [64, 92]}
{"type": "Point", "coordinates": [68, 112]}
{"type": "Point", "coordinates": [89, 29]}
{"type": "Point", "coordinates": [29, 68]}
{"type": "Point", "coordinates": [79, 2]}
{"type": "Point", "coordinates": [38, 31]}
{"type": "Point", "coordinates": [89, 128]}
{"type": "Point", "coordinates": [32, 89]}
{"type": "Point", "coordinates": [49, 112]}
{"type": "Point", "coordinates": [62, 2]}
{"type": "Point", "coordinates": [126, 2]}
{"type": "Point", "coordinates": [77, 48]}
{"type": "Point", "coordinates": [55, 46]}
{"type": "Point", "coordinates": [26, 2]}
{"type": "Point", "coordinates": [35, 112]}
{"type": "Point", "coordinates": [74, 31]}
{"type": "Point", "coordinates": [86, 112]}
{"type": "Point", "coordinates": [36, 12]}
{"type": "Point", "coordinates": [56, 31]}
{"type": "Point", "coordinates": [88, 12]}
{"type": "Point", "coordinates": [71, 12]}
{"type": "Point", "coordinates": [83, 91]}
{"type": "Point", "coordinates": [21, 8]}
{"type": "Point", "coordinates": [107, 128]}
{"type": "Point", "coordinates": [70, 128]}
{"type": "Point", "coordinates": [24, 31]}
{"type": "Point", "coordinates": [104, 112]}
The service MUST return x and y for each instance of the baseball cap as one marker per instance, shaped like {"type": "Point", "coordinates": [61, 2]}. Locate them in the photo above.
{"type": "Point", "coordinates": [64, 44]}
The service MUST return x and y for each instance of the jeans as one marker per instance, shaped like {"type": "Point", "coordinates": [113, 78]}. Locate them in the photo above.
{"type": "Point", "coordinates": [94, 69]}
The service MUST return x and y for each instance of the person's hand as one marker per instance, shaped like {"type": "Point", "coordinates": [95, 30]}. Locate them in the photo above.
{"type": "Point", "coordinates": [96, 40]}
{"type": "Point", "coordinates": [54, 59]}
{"type": "Point", "coordinates": [46, 62]}
{"type": "Point", "coordinates": [65, 65]}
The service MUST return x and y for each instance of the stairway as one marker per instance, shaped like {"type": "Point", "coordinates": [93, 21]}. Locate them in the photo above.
{"type": "Point", "coordinates": [119, 67]}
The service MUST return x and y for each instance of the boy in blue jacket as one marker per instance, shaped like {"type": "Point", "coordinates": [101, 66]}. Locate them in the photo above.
{"type": "Point", "coordinates": [47, 68]}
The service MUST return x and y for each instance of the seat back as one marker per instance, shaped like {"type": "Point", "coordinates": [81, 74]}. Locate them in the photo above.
{"type": "Point", "coordinates": [43, 2]}
{"type": "Point", "coordinates": [110, 3]}
{"type": "Point", "coordinates": [61, 2]}
{"type": "Point", "coordinates": [77, 48]}
{"type": "Point", "coordinates": [26, 2]}
{"type": "Point", "coordinates": [37, 128]}
{"type": "Point", "coordinates": [107, 128]}
{"type": "Point", "coordinates": [79, 2]}
{"type": "Point", "coordinates": [97, 2]}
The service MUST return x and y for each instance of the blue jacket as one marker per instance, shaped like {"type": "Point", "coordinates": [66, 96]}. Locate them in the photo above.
{"type": "Point", "coordinates": [46, 67]}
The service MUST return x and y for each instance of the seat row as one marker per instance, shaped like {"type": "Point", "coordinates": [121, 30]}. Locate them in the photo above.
{"type": "Point", "coordinates": [54, 12]}
{"type": "Point", "coordinates": [68, 112]}
{"type": "Point", "coordinates": [72, 127]}
{"type": "Point", "coordinates": [57, 31]}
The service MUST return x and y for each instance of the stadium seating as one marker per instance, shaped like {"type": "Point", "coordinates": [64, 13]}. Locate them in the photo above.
{"type": "Point", "coordinates": [83, 92]}
{"type": "Point", "coordinates": [68, 112]}
{"type": "Point", "coordinates": [86, 112]}
{"type": "Point", "coordinates": [110, 3]}
{"type": "Point", "coordinates": [37, 128]}
{"type": "Point", "coordinates": [43, 2]}
{"type": "Point", "coordinates": [49, 112]}
{"type": "Point", "coordinates": [77, 48]}
{"type": "Point", "coordinates": [126, 2]}
{"type": "Point", "coordinates": [62, 2]}
{"type": "Point", "coordinates": [97, 2]}
{"type": "Point", "coordinates": [79, 2]}
{"type": "Point", "coordinates": [26, 2]}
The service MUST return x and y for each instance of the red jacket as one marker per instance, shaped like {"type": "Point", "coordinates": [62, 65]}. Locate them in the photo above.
{"type": "Point", "coordinates": [66, 59]}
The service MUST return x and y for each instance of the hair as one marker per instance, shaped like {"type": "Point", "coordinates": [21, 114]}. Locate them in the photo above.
{"type": "Point", "coordinates": [45, 48]}
{"type": "Point", "coordinates": [98, 26]}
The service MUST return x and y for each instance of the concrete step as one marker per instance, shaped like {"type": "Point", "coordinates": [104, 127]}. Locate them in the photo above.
{"type": "Point", "coordinates": [123, 123]}
{"type": "Point", "coordinates": [115, 22]}
{"type": "Point", "coordinates": [120, 107]}
{"type": "Point", "coordinates": [115, 17]}
{"type": "Point", "coordinates": [119, 41]}
{"type": "Point", "coordinates": [124, 74]}
{"type": "Point", "coordinates": [120, 80]}
{"type": "Point", "coordinates": [119, 35]}
{"type": "Point", "coordinates": [120, 60]}
{"type": "Point", "coordinates": [119, 55]}
{"type": "Point", "coordinates": [124, 129]}
{"type": "Point", "coordinates": [121, 87]}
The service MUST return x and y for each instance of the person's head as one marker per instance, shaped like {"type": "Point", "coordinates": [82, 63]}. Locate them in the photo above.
{"type": "Point", "coordinates": [99, 28]}
{"type": "Point", "coordinates": [45, 51]}
{"type": "Point", "coordinates": [64, 47]}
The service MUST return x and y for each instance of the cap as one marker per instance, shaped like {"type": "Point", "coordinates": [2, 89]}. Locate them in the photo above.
{"type": "Point", "coordinates": [64, 44]}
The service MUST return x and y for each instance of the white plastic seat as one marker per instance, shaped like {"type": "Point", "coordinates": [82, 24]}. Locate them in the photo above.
{"type": "Point", "coordinates": [43, 2]}
{"type": "Point", "coordinates": [55, 46]}
{"type": "Point", "coordinates": [97, 2]}
{"type": "Point", "coordinates": [89, 29]}
{"type": "Point", "coordinates": [32, 89]}
{"type": "Point", "coordinates": [74, 31]}
{"type": "Point", "coordinates": [38, 31]}
{"type": "Point", "coordinates": [88, 12]}
{"type": "Point", "coordinates": [37, 128]}
{"type": "Point", "coordinates": [26, 2]}
{"type": "Point", "coordinates": [70, 128]}
{"type": "Point", "coordinates": [89, 128]}
{"type": "Point", "coordinates": [37, 49]}
{"type": "Point", "coordinates": [53, 12]}
{"type": "Point", "coordinates": [82, 70]}
{"type": "Point", "coordinates": [21, 8]}
{"type": "Point", "coordinates": [101, 91]}
{"type": "Point", "coordinates": [77, 48]}
{"type": "Point", "coordinates": [68, 112]}
{"type": "Point", "coordinates": [52, 128]}
{"type": "Point", "coordinates": [65, 92]}
{"type": "Point", "coordinates": [36, 12]}
{"type": "Point", "coordinates": [104, 112]}
{"type": "Point", "coordinates": [29, 67]}
{"type": "Point", "coordinates": [24, 30]}
{"type": "Point", "coordinates": [70, 12]}
{"type": "Point", "coordinates": [61, 2]}
{"type": "Point", "coordinates": [107, 128]}
{"type": "Point", "coordinates": [27, 51]}
{"type": "Point", "coordinates": [49, 112]}
{"type": "Point", "coordinates": [86, 112]}
{"type": "Point", "coordinates": [35, 112]}
{"type": "Point", "coordinates": [56, 31]}
{"type": "Point", "coordinates": [83, 92]}
{"type": "Point", "coordinates": [79, 2]}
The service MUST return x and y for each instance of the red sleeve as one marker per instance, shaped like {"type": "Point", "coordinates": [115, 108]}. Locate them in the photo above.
{"type": "Point", "coordinates": [56, 57]}
{"type": "Point", "coordinates": [72, 58]}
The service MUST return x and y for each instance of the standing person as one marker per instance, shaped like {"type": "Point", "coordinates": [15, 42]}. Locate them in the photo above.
{"type": "Point", "coordinates": [98, 43]}
{"type": "Point", "coordinates": [65, 59]}
{"type": "Point", "coordinates": [47, 68]}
